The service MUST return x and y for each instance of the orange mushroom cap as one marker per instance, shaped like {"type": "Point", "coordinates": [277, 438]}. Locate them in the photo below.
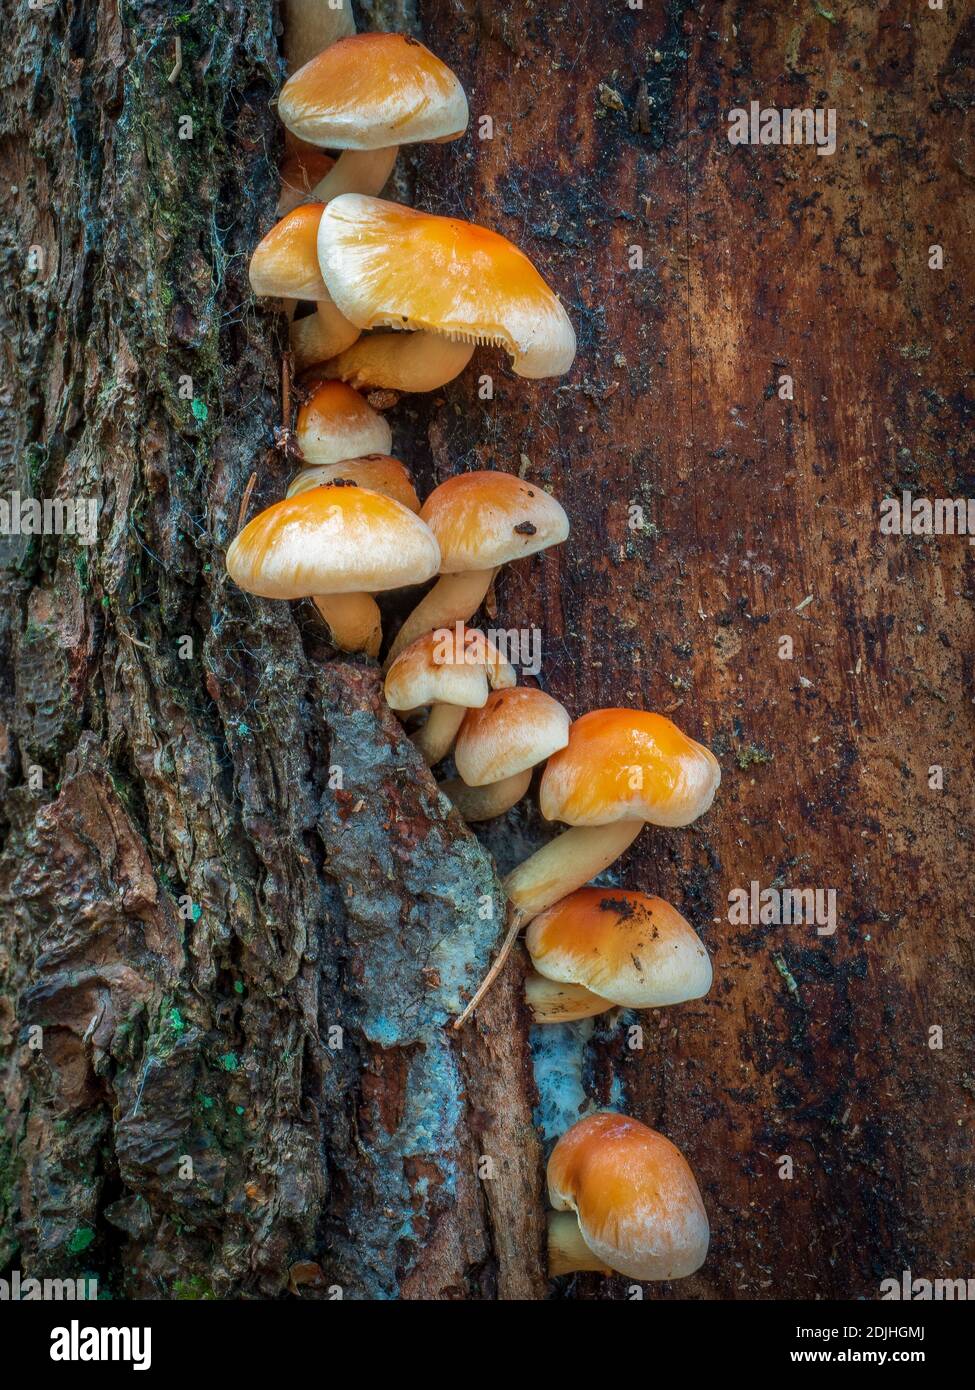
{"type": "Point", "coordinates": [515, 730]}
{"type": "Point", "coordinates": [332, 540]}
{"type": "Point", "coordinates": [377, 472]}
{"type": "Point", "coordinates": [391, 266]}
{"type": "Point", "coordinates": [437, 669]}
{"type": "Point", "coordinates": [335, 423]}
{"type": "Point", "coordinates": [485, 519]}
{"type": "Point", "coordinates": [370, 91]}
{"type": "Point", "coordinates": [625, 764]}
{"type": "Point", "coordinates": [285, 262]}
{"type": "Point", "coordinates": [634, 1195]}
{"type": "Point", "coordinates": [632, 949]}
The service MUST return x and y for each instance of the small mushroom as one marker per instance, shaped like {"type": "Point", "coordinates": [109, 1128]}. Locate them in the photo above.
{"type": "Point", "coordinates": [551, 1002]}
{"type": "Point", "coordinates": [497, 747]}
{"type": "Point", "coordinates": [451, 677]}
{"type": "Point", "coordinates": [625, 1199]}
{"type": "Point", "coordinates": [409, 362]}
{"type": "Point", "coordinates": [337, 546]}
{"type": "Point", "coordinates": [366, 95]}
{"type": "Point", "coordinates": [475, 286]}
{"type": "Point", "coordinates": [481, 520]}
{"type": "Point", "coordinates": [285, 266]}
{"type": "Point", "coordinates": [377, 472]}
{"type": "Point", "coordinates": [335, 423]}
{"type": "Point", "coordinates": [621, 769]}
{"type": "Point", "coordinates": [311, 25]}
{"type": "Point", "coordinates": [628, 948]}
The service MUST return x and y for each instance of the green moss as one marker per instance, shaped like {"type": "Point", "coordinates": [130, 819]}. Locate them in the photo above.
{"type": "Point", "coordinates": [80, 1240]}
{"type": "Point", "coordinates": [193, 1289]}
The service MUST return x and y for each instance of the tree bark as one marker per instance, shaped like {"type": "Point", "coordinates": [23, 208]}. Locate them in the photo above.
{"type": "Point", "coordinates": [237, 915]}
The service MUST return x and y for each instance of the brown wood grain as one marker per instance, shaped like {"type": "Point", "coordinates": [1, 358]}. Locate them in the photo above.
{"type": "Point", "coordinates": [759, 262]}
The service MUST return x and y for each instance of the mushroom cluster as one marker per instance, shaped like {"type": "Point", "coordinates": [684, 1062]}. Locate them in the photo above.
{"type": "Point", "coordinates": [387, 299]}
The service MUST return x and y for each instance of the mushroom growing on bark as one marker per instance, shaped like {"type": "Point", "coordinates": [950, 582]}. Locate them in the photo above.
{"type": "Point", "coordinates": [620, 770]}
{"type": "Point", "coordinates": [285, 266]}
{"type": "Point", "coordinates": [475, 286]}
{"type": "Point", "coordinates": [451, 677]}
{"type": "Point", "coordinates": [551, 1002]}
{"type": "Point", "coordinates": [366, 95]}
{"type": "Point", "coordinates": [377, 472]}
{"type": "Point", "coordinates": [481, 520]}
{"type": "Point", "coordinates": [338, 546]}
{"type": "Point", "coordinates": [400, 362]}
{"type": "Point", "coordinates": [335, 423]}
{"type": "Point", "coordinates": [497, 747]}
{"type": "Point", "coordinates": [625, 1199]}
{"type": "Point", "coordinates": [630, 949]}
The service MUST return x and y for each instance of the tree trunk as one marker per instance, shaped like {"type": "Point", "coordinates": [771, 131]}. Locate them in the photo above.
{"type": "Point", "coordinates": [237, 915]}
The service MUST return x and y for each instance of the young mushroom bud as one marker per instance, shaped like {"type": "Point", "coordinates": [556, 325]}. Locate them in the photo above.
{"type": "Point", "coordinates": [475, 286]}
{"type": "Point", "coordinates": [481, 520]}
{"type": "Point", "coordinates": [336, 545]}
{"type": "Point", "coordinates": [625, 1199]}
{"type": "Point", "coordinates": [367, 95]}
{"type": "Point", "coordinates": [377, 472]}
{"type": "Point", "coordinates": [285, 266]}
{"type": "Point", "coordinates": [451, 677]}
{"type": "Point", "coordinates": [628, 948]}
{"type": "Point", "coordinates": [311, 25]}
{"type": "Point", "coordinates": [621, 769]}
{"type": "Point", "coordinates": [497, 747]}
{"type": "Point", "coordinates": [408, 362]}
{"type": "Point", "coordinates": [551, 1002]}
{"type": "Point", "coordinates": [335, 423]}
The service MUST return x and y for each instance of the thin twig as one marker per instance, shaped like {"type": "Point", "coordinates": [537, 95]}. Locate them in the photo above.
{"type": "Point", "coordinates": [246, 500]}
{"type": "Point", "coordinates": [516, 922]}
{"type": "Point", "coordinates": [178, 66]}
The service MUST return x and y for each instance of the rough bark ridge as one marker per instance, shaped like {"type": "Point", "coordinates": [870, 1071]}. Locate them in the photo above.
{"type": "Point", "coordinates": [192, 906]}
{"type": "Point", "coordinates": [234, 904]}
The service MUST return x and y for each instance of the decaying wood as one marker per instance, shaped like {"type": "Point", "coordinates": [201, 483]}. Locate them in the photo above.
{"type": "Point", "coordinates": [237, 957]}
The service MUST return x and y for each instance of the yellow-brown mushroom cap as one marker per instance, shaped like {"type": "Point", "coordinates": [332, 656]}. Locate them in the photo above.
{"type": "Point", "coordinates": [286, 260]}
{"type": "Point", "coordinates": [391, 266]}
{"type": "Point", "coordinates": [332, 540]}
{"type": "Point", "coordinates": [370, 91]}
{"type": "Point", "coordinates": [377, 472]}
{"type": "Point", "coordinates": [635, 1198]}
{"type": "Point", "coordinates": [335, 423]}
{"type": "Point", "coordinates": [624, 764]}
{"type": "Point", "coordinates": [632, 949]}
{"type": "Point", "coordinates": [485, 519]}
{"type": "Point", "coordinates": [433, 671]}
{"type": "Point", "coordinates": [515, 730]}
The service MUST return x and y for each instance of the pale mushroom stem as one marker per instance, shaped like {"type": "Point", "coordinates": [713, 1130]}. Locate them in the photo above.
{"type": "Point", "coordinates": [454, 598]}
{"type": "Point", "coordinates": [435, 740]}
{"type": "Point", "coordinates": [354, 621]}
{"type": "Point", "coordinates": [568, 1253]}
{"type": "Point", "coordinates": [551, 873]}
{"type": "Point", "coordinates": [553, 1002]}
{"type": "Point", "coordinates": [356, 171]}
{"type": "Point", "coordinates": [484, 803]}
{"type": "Point", "coordinates": [311, 26]}
{"type": "Point", "coordinates": [321, 335]}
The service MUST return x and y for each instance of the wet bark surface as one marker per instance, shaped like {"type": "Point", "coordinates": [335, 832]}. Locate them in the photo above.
{"type": "Point", "coordinates": [237, 914]}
